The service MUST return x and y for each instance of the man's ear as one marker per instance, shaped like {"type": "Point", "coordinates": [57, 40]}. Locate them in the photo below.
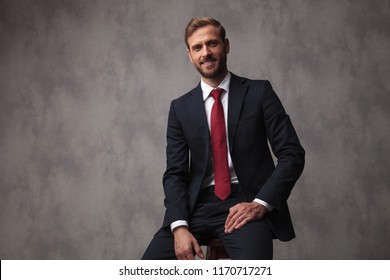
{"type": "Point", "coordinates": [227, 46]}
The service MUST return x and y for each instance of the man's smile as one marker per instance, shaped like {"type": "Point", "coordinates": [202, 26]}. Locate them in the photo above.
{"type": "Point", "coordinates": [208, 62]}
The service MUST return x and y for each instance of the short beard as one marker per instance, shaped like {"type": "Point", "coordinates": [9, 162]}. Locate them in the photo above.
{"type": "Point", "coordinates": [221, 68]}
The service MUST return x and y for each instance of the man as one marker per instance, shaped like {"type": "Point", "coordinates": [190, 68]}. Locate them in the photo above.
{"type": "Point", "coordinates": [220, 180]}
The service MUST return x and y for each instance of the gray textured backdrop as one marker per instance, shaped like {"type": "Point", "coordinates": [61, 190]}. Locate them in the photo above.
{"type": "Point", "coordinates": [85, 89]}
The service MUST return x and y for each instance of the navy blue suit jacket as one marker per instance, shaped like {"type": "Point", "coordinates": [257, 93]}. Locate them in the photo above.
{"type": "Point", "coordinates": [255, 116]}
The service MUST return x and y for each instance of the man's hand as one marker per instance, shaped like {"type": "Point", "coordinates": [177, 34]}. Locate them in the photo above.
{"type": "Point", "coordinates": [243, 213]}
{"type": "Point", "coordinates": [186, 244]}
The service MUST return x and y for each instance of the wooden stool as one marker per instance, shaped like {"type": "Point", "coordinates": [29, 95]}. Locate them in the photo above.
{"type": "Point", "coordinates": [215, 250]}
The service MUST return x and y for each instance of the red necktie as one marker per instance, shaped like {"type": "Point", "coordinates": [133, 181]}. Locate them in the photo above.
{"type": "Point", "coordinates": [219, 145]}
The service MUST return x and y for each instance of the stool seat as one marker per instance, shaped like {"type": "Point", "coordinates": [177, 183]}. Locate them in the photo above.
{"type": "Point", "coordinates": [215, 250]}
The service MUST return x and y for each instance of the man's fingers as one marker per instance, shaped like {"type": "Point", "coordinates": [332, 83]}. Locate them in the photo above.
{"type": "Point", "coordinates": [197, 248]}
{"type": "Point", "coordinates": [241, 214]}
{"type": "Point", "coordinates": [242, 223]}
{"type": "Point", "coordinates": [238, 220]}
{"type": "Point", "coordinates": [232, 212]}
{"type": "Point", "coordinates": [188, 253]}
{"type": "Point", "coordinates": [184, 254]}
{"type": "Point", "coordinates": [184, 244]}
{"type": "Point", "coordinates": [233, 218]}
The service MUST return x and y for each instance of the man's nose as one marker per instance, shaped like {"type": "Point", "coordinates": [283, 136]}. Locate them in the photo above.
{"type": "Point", "coordinates": [206, 51]}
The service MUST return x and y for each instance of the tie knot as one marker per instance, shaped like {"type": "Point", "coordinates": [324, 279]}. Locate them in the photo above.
{"type": "Point", "coordinates": [216, 93]}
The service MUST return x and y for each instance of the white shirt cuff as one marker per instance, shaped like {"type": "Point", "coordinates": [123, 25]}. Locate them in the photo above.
{"type": "Point", "coordinates": [178, 223]}
{"type": "Point", "coordinates": [265, 204]}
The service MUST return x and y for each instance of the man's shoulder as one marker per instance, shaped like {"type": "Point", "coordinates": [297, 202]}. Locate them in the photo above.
{"type": "Point", "coordinates": [252, 82]}
{"type": "Point", "coordinates": [188, 95]}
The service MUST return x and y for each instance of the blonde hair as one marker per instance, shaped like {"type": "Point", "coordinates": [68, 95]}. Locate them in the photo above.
{"type": "Point", "coordinates": [198, 22]}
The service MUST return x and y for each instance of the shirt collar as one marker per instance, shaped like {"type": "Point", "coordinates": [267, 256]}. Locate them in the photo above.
{"type": "Point", "coordinates": [206, 89]}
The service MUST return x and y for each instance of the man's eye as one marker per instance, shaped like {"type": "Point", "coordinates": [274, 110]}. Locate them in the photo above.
{"type": "Point", "coordinates": [213, 44]}
{"type": "Point", "coordinates": [196, 48]}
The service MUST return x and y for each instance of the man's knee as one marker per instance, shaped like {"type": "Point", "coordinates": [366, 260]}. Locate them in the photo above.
{"type": "Point", "coordinates": [252, 242]}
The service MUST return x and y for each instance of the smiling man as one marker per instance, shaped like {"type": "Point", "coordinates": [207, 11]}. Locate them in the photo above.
{"type": "Point", "coordinates": [207, 52]}
{"type": "Point", "coordinates": [220, 180]}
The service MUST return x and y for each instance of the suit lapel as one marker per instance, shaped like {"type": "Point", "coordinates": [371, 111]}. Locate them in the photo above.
{"type": "Point", "coordinates": [237, 91]}
{"type": "Point", "coordinates": [198, 112]}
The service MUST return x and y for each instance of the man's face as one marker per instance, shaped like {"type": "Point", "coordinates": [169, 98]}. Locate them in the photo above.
{"type": "Point", "coordinates": [208, 52]}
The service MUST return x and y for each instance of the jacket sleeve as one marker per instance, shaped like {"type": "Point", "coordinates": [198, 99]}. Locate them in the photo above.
{"type": "Point", "coordinates": [176, 176]}
{"type": "Point", "coordinates": [286, 148]}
